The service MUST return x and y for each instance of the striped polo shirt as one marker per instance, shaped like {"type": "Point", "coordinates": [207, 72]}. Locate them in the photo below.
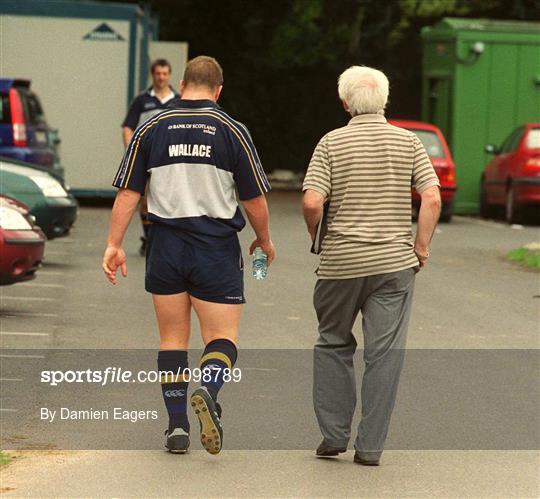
{"type": "Point", "coordinates": [365, 170]}
{"type": "Point", "coordinates": [194, 158]}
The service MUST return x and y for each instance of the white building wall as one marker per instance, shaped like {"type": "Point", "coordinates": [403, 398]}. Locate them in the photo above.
{"type": "Point", "coordinates": [82, 85]}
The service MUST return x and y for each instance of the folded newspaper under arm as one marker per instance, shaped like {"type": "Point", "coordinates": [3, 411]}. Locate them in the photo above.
{"type": "Point", "coordinates": [321, 231]}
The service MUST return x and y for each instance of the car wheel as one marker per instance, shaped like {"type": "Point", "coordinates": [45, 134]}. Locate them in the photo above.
{"type": "Point", "coordinates": [486, 210]}
{"type": "Point", "coordinates": [513, 213]}
{"type": "Point", "coordinates": [446, 212]}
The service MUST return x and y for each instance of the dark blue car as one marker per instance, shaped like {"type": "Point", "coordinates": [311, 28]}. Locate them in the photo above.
{"type": "Point", "coordinates": [24, 132]}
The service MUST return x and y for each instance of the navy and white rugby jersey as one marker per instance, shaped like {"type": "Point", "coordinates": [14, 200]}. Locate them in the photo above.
{"type": "Point", "coordinates": [145, 106]}
{"type": "Point", "coordinates": [194, 158]}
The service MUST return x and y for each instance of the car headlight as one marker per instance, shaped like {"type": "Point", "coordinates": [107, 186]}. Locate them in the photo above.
{"type": "Point", "coordinates": [13, 220]}
{"type": "Point", "coordinates": [50, 187]}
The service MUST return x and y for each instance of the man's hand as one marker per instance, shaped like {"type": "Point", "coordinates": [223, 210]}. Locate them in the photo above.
{"type": "Point", "coordinates": [428, 215]}
{"type": "Point", "coordinates": [267, 247]}
{"type": "Point", "coordinates": [113, 258]}
{"type": "Point", "coordinates": [257, 213]}
{"type": "Point", "coordinates": [422, 255]}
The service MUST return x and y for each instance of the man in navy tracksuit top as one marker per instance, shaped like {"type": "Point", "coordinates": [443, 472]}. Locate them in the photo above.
{"type": "Point", "coordinates": [193, 158]}
{"type": "Point", "coordinates": [145, 106]}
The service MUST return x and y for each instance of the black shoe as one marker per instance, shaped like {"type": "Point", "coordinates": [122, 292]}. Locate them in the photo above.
{"type": "Point", "coordinates": [360, 460]}
{"type": "Point", "coordinates": [325, 450]}
{"type": "Point", "coordinates": [142, 249]}
{"type": "Point", "coordinates": [209, 412]}
{"type": "Point", "coordinates": [177, 441]}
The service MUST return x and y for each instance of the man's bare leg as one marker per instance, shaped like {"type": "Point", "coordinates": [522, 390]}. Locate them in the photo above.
{"type": "Point", "coordinates": [173, 314]}
{"type": "Point", "coordinates": [218, 320]}
{"type": "Point", "coordinates": [219, 329]}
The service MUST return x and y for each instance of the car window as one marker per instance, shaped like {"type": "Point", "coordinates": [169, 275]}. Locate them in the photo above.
{"type": "Point", "coordinates": [533, 139]}
{"type": "Point", "coordinates": [512, 142]}
{"type": "Point", "coordinates": [5, 110]}
{"type": "Point", "coordinates": [32, 108]}
{"type": "Point", "coordinates": [431, 142]}
{"type": "Point", "coordinates": [517, 139]}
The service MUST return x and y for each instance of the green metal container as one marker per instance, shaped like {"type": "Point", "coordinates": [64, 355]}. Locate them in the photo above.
{"type": "Point", "coordinates": [481, 79]}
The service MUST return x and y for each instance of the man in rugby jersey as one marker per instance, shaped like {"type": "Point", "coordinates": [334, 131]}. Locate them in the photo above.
{"type": "Point", "coordinates": [364, 171]}
{"type": "Point", "coordinates": [193, 158]}
{"type": "Point", "coordinates": [147, 104]}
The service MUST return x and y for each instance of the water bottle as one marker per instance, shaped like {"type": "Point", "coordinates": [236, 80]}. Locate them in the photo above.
{"type": "Point", "coordinates": [260, 265]}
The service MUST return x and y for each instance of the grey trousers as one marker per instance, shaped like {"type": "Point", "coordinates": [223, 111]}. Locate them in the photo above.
{"type": "Point", "coordinates": [385, 303]}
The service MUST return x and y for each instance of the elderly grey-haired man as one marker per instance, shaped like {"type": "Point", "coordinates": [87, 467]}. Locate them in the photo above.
{"type": "Point", "coordinates": [364, 171]}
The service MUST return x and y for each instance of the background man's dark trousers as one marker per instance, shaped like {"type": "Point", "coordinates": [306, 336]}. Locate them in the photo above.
{"type": "Point", "coordinates": [385, 303]}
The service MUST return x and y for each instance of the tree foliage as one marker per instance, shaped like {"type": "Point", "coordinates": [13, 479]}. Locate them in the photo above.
{"type": "Point", "coordinates": [281, 58]}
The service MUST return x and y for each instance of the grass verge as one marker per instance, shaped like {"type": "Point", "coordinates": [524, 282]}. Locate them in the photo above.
{"type": "Point", "coordinates": [4, 458]}
{"type": "Point", "coordinates": [528, 255]}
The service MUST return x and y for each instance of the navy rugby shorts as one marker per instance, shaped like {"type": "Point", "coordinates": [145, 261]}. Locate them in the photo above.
{"type": "Point", "coordinates": [176, 264]}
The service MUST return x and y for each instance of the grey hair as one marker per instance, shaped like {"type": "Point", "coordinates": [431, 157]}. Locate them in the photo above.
{"type": "Point", "coordinates": [364, 90]}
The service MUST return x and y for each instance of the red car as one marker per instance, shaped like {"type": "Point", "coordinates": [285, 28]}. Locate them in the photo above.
{"type": "Point", "coordinates": [439, 153]}
{"type": "Point", "coordinates": [21, 243]}
{"type": "Point", "coordinates": [511, 180]}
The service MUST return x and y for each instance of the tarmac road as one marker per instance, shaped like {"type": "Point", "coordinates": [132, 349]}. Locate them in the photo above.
{"type": "Point", "coordinates": [468, 298]}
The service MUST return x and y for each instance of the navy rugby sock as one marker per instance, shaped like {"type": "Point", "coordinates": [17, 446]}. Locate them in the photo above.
{"type": "Point", "coordinates": [218, 355]}
{"type": "Point", "coordinates": [173, 386]}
